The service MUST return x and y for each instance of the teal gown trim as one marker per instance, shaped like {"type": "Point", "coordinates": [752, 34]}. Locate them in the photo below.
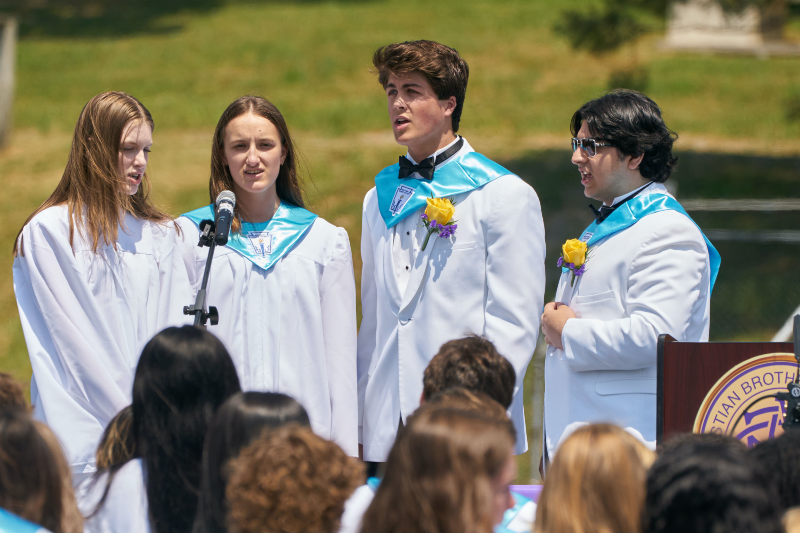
{"type": "Point", "coordinates": [398, 198]}
{"type": "Point", "coordinates": [634, 210]}
{"type": "Point", "coordinates": [264, 244]}
{"type": "Point", "coordinates": [11, 523]}
{"type": "Point", "coordinates": [520, 501]}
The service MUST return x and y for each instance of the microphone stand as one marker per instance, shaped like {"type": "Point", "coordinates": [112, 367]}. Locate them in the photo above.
{"type": "Point", "coordinates": [198, 309]}
{"type": "Point", "coordinates": [792, 396]}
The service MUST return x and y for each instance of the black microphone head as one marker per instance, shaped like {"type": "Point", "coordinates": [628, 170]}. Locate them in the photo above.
{"type": "Point", "coordinates": [226, 197]}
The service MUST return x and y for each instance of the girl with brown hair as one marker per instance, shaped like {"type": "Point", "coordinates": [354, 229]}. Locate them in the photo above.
{"type": "Point", "coordinates": [448, 472]}
{"type": "Point", "coordinates": [596, 483]}
{"type": "Point", "coordinates": [35, 480]}
{"type": "Point", "coordinates": [284, 283]}
{"type": "Point", "coordinates": [96, 275]}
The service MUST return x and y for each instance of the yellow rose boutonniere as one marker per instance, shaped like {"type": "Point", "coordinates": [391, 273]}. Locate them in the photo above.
{"type": "Point", "coordinates": [438, 218]}
{"type": "Point", "coordinates": [573, 257]}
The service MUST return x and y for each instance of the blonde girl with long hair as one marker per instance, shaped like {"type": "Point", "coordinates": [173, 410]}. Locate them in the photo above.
{"type": "Point", "coordinates": [284, 283]}
{"type": "Point", "coordinates": [596, 483]}
{"type": "Point", "coordinates": [96, 275]}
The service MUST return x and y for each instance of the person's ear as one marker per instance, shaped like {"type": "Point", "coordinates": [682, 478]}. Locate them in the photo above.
{"type": "Point", "coordinates": [422, 398]}
{"type": "Point", "coordinates": [284, 152]}
{"type": "Point", "coordinates": [449, 106]}
{"type": "Point", "coordinates": [634, 162]}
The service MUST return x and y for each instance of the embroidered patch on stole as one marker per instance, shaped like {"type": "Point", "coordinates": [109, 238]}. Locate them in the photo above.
{"type": "Point", "coordinates": [586, 236]}
{"type": "Point", "coordinates": [261, 241]}
{"type": "Point", "coordinates": [401, 196]}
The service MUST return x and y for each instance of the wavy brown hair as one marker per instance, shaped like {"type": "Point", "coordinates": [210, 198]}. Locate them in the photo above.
{"type": "Point", "coordinates": [288, 185]}
{"type": "Point", "coordinates": [289, 480]}
{"type": "Point", "coordinates": [595, 484]}
{"type": "Point", "coordinates": [439, 473]}
{"type": "Point", "coordinates": [91, 186]}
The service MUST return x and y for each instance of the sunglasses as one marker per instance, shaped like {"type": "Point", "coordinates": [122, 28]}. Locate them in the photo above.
{"type": "Point", "coordinates": [588, 145]}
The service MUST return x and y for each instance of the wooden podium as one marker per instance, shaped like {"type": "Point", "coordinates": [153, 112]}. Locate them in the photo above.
{"type": "Point", "coordinates": [688, 370]}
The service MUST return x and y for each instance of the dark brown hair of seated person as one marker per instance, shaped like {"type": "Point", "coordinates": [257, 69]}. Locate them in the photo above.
{"type": "Point", "coordinates": [12, 393]}
{"type": "Point", "coordinates": [474, 364]}
{"type": "Point", "coordinates": [467, 400]}
{"type": "Point", "coordinates": [289, 480]}
{"type": "Point", "coordinates": [439, 473]}
{"type": "Point", "coordinates": [117, 445]}
{"type": "Point", "coordinates": [34, 474]}
{"type": "Point", "coordinates": [595, 484]}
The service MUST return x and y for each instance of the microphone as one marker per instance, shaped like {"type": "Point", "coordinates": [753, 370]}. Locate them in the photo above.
{"type": "Point", "coordinates": [225, 204]}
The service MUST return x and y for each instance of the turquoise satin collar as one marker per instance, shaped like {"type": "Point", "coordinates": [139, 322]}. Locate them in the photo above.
{"type": "Point", "coordinates": [520, 501]}
{"type": "Point", "coordinates": [634, 210]}
{"type": "Point", "coordinates": [462, 173]}
{"type": "Point", "coordinates": [264, 244]}
{"type": "Point", "coordinates": [11, 523]}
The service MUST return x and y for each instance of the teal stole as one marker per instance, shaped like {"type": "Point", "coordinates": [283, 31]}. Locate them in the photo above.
{"type": "Point", "coordinates": [11, 523]}
{"type": "Point", "coordinates": [265, 243]}
{"type": "Point", "coordinates": [634, 210]}
{"type": "Point", "coordinates": [398, 198]}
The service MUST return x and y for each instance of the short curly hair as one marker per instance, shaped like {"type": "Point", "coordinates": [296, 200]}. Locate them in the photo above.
{"type": "Point", "coordinates": [290, 480]}
{"type": "Point", "coordinates": [632, 123]}
{"type": "Point", "coordinates": [474, 364]}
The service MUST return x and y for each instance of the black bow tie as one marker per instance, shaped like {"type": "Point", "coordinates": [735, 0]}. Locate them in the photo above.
{"type": "Point", "coordinates": [427, 165]}
{"type": "Point", "coordinates": [605, 210]}
{"type": "Point", "coordinates": [425, 168]}
{"type": "Point", "coordinates": [601, 214]}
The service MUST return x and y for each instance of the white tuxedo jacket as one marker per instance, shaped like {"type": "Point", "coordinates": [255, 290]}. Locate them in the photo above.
{"type": "Point", "coordinates": [649, 279]}
{"type": "Point", "coordinates": [488, 280]}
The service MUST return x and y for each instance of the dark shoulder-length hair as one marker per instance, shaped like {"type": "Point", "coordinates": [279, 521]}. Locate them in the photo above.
{"type": "Point", "coordinates": [240, 420]}
{"type": "Point", "coordinates": [632, 123]}
{"type": "Point", "coordinates": [183, 376]}
{"type": "Point", "coordinates": [288, 185]}
{"type": "Point", "coordinates": [91, 185]}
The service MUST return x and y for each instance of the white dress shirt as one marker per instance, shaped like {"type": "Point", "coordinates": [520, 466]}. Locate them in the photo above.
{"type": "Point", "coordinates": [409, 234]}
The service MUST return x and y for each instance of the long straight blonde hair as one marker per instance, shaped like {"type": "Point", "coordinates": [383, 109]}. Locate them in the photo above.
{"type": "Point", "coordinates": [91, 185]}
{"type": "Point", "coordinates": [596, 483]}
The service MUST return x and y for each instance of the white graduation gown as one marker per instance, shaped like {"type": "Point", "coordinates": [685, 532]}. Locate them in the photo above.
{"type": "Point", "coordinates": [292, 328]}
{"type": "Point", "coordinates": [86, 318]}
{"type": "Point", "coordinates": [125, 508]}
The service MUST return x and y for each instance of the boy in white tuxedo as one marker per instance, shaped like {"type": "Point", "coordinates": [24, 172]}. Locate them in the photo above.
{"type": "Point", "coordinates": [474, 263]}
{"type": "Point", "coordinates": [648, 270]}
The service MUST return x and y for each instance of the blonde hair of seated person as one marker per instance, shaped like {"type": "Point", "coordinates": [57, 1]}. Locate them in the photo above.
{"type": "Point", "coordinates": [595, 484]}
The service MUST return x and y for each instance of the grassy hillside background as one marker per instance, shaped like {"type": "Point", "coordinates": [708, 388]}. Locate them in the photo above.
{"type": "Point", "coordinates": [738, 118]}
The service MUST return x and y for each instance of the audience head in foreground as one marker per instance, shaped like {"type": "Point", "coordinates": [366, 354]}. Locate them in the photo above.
{"type": "Point", "coordinates": [240, 420]}
{"type": "Point", "coordinates": [449, 471]}
{"type": "Point", "coordinates": [471, 363]}
{"type": "Point", "coordinates": [12, 394]}
{"type": "Point", "coordinates": [35, 481]}
{"type": "Point", "coordinates": [779, 462]}
{"type": "Point", "coordinates": [595, 483]}
{"type": "Point", "coordinates": [183, 375]}
{"type": "Point", "coordinates": [705, 486]}
{"type": "Point", "coordinates": [289, 480]}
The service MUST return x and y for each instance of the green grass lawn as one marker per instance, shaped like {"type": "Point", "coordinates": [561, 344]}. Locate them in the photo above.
{"type": "Point", "coordinates": [313, 60]}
